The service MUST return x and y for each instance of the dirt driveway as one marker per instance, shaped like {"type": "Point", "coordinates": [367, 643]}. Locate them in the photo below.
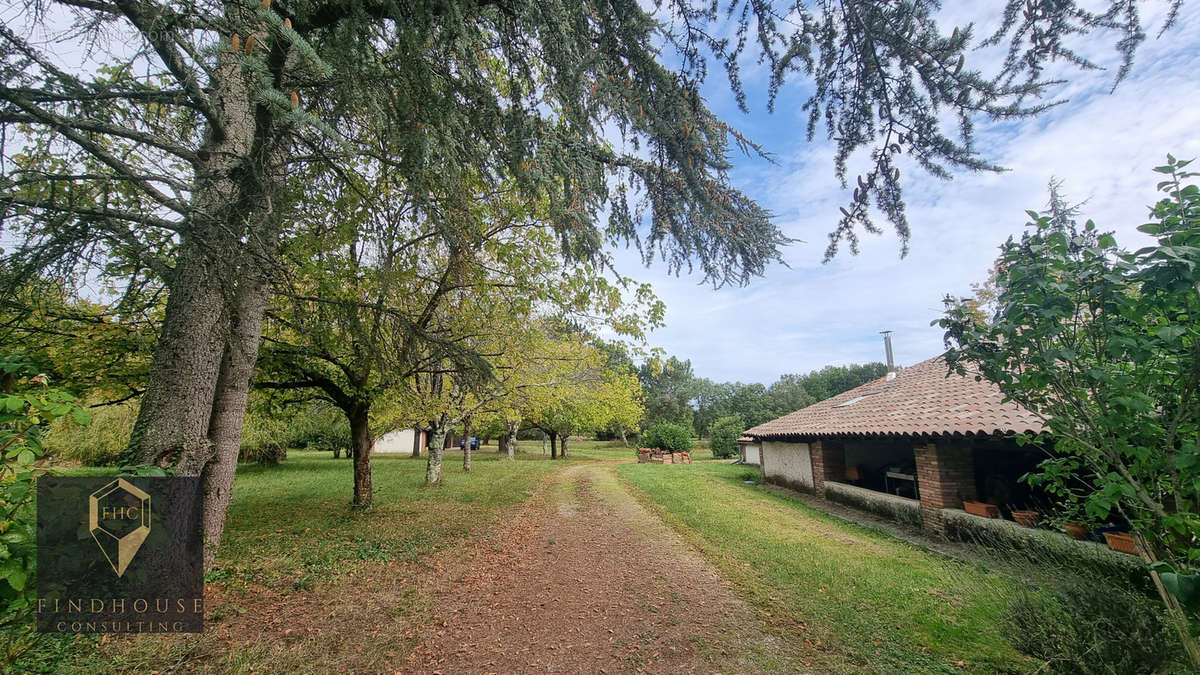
{"type": "Point", "coordinates": [584, 579]}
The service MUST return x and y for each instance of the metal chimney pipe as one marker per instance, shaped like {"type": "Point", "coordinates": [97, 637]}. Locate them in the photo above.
{"type": "Point", "coordinates": [887, 349]}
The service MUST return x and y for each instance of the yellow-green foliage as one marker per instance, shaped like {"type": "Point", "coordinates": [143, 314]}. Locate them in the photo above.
{"type": "Point", "coordinates": [97, 444]}
{"type": "Point", "coordinates": [262, 439]}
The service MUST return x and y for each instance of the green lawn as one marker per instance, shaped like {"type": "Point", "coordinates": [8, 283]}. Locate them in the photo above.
{"type": "Point", "coordinates": [291, 524]}
{"type": "Point", "coordinates": [871, 601]}
{"type": "Point", "coordinates": [290, 528]}
{"type": "Point", "coordinates": [868, 601]}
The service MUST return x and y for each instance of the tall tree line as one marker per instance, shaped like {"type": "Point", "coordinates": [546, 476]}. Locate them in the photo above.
{"type": "Point", "coordinates": [674, 394]}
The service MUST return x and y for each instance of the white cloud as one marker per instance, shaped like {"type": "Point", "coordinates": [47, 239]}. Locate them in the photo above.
{"type": "Point", "coordinates": [1103, 146]}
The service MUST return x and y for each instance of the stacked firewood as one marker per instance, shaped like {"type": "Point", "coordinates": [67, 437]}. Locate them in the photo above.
{"type": "Point", "coordinates": [663, 457]}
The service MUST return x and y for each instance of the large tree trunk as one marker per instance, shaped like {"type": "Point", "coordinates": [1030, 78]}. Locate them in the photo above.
{"type": "Point", "coordinates": [417, 434]}
{"type": "Point", "coordinates": [553, 445]}
{"type": "Point", "coordinates": [563, 451]}
{"type": "Point", "coordinates": [229, 406]}
{"type": "Point", "coordinates": [467, 445]}
{"type": "Point", "coordinates": [433, 466]}
{"type": "Point", "coordinates": [502, 445]}
{"type": "Point", "coordinates": [624, 440]}
{"type": "Point", "coordinates": [172, 423]}
{"type": "Point", "coordinates": [360, 433]}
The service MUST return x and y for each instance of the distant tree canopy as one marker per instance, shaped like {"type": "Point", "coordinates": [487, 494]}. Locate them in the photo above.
{"type": "Point", "coordinates": [756, 404]}
{"type": "Point", "coordinates": [675, 395]}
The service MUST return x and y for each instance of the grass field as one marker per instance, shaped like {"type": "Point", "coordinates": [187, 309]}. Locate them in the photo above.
{"type": "Point", "coordinates": [873, 602]}
{"type": "Point", "coordinates": [290, 529]}
{"type": "Point", "coordinates": [864, 600]}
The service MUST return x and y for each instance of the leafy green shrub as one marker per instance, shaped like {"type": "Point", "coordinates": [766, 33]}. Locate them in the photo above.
{"type": "Point", "coordinates": [263, 440]}
{"type": "Point", "coordinates": [100, 442]}
{"type": "Point", "coordinates": [1047, 550]}
{"type": "Point", "coordinates": [317, 427]}
{"type": "Point", "coordinates": [668, 437]}
{"type": "Point", "coordinates": [1090, 628]}
{"type": "Point", "coordinates": [724, 433]}
{"type": "Point", "coordinates": [27, 404]}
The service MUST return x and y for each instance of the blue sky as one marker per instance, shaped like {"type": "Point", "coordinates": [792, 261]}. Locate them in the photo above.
{"type": "Point", "coordinates": [1102, 146]}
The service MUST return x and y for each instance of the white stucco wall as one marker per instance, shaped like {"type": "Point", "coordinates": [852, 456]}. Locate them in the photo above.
{"type": "Point", "coordinates": [400, 440]}
{"type": "Point", "coordinates": [752, 453]}
{"type": "Point", "coordinates": [788, 461]}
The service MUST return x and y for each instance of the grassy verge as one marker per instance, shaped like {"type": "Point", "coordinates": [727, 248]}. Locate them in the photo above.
{"type": "Point", "coordinates": [872, 602]}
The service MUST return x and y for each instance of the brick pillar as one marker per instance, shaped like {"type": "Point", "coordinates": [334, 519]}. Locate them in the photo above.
{"type": "Point", "coordinates": [828, 464]}
{"type": "Point", "coordinates": [945, 477]}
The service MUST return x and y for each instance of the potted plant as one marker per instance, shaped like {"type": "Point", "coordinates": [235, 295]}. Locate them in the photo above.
{"type": "Point", "coordinates": [1121, 542]}
{"type": "Point", "coordinates": [982, 509]}
{"type": "Point", "coordinates": [1026, 518]}
{"type": "Point", "coordinates": [1077, 531]}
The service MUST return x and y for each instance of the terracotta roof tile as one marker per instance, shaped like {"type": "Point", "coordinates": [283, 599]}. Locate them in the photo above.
{"type": "Point", "coordinates": [746, 439]}
{"type": "Point", "coordinates": [920, 400]}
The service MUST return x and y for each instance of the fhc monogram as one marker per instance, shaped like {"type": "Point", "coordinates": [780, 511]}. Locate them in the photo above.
{"type": "Point", "coordinates": [120, 555]}
{"type": "Point", "coordinates": [120, 513]}
{"type": "Point", "coordinates": [119, 520]}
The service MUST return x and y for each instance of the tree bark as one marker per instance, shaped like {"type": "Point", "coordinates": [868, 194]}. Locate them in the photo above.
{"type": "Point", "coordinates": [433, 466]}
{"type": "Point", "coordinates": [502, 445]}
{"type": "Point", "coordinates": [360, 432]}
{"type": "Point", "coordinates": [467, 445]}
{"type": "Point", "coordinates": [172, 423]}
{"type": "Point", "coordinates": [337, 452]}
{"type": "Point", "coordinates": [229, 406]}
{"type": "Point", "coordinates": [563, 448]}
{"type": "Point", "coordinates": [417, 433]}
{"type": "Point", "coordinates": [553, 445]}
{"type": "Point", "coordinates": [624, 440]}
{"type": "Point", "coordinates": [510, 442]}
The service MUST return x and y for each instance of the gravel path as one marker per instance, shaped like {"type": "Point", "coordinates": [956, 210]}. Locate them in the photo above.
{"type": "Point", "coordinates": [584, 579]}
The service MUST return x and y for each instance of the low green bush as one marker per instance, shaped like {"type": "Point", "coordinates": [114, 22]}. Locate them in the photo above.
{"type": "Point", "coordinates": [1047, 549]}
{"type": "Point", "coordinates": [668, 437]}
{"type": "Point", "coordinates": [263, 440]}
{"type": "Point", "coordinates": [317, 427]}
{"type": "Point", "coordinates": [100, 442]}
{"type": "Point", "coordinates": [1090, 628]}
{"type": "Point", "coordinates": [724, 433]}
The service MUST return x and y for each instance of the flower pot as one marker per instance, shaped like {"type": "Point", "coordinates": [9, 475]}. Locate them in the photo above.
{"type": "Point", "coordinates": [1026, 518]}
{"type": "Point", "coordinates": [1121, 542]}
{"type": "Point", "coordinates": [981, 509]}
{"type": "Point", "coordinates": [1076, 530]}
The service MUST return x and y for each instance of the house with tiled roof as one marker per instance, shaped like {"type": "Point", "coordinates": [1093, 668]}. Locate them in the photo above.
{"type": "Point", "coordinates": [748, 449]}
{"type": "Point", "coordinates": [913, 443]}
